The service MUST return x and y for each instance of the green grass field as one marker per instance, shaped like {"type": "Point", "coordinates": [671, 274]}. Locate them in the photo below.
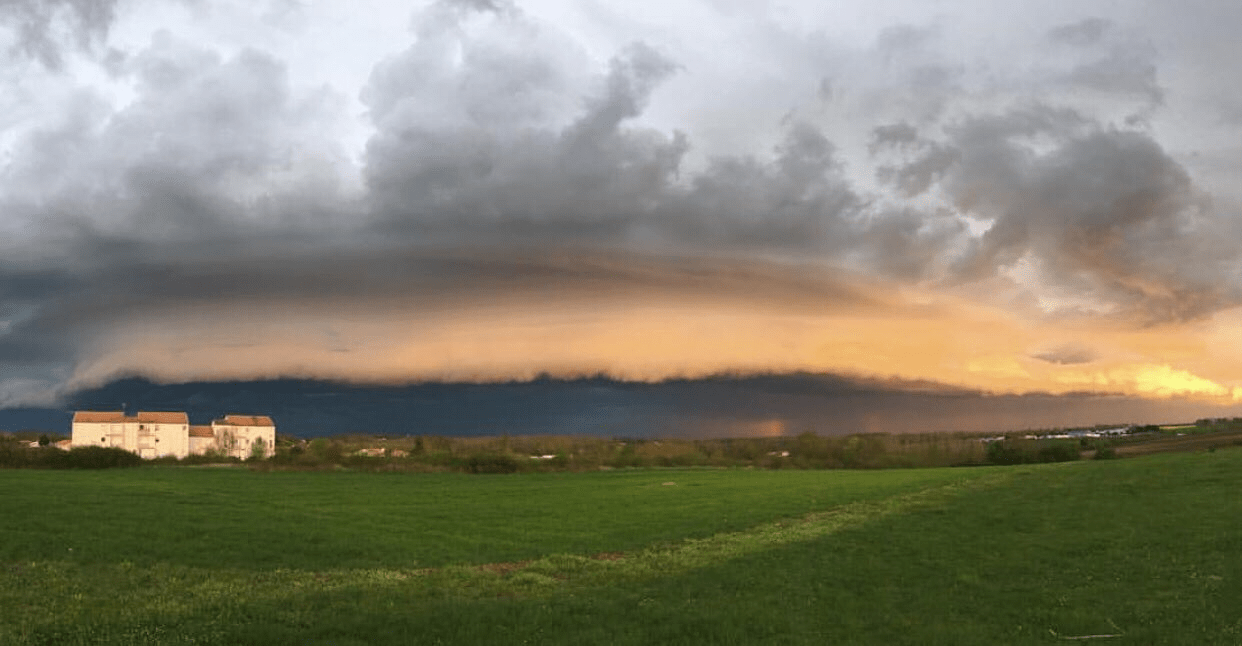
{"type": "Point", "coordinates": [1139, 551]}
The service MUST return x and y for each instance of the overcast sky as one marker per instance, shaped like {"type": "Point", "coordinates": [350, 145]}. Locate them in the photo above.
{"type": "Point", "coordinates": [1012, 197]}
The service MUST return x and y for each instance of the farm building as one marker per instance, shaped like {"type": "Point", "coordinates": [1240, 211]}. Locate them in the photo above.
{"type": "Point", "coordinates": [149, 434]}
{"type": "Point", "coordinates": [239, 435]}
{"type": "Point", "coordinates": [158, 434]}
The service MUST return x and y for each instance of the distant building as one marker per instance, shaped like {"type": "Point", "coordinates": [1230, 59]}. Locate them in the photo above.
{"type": "Point", "coordinates": [239, 435]}
{"type": "Point", "coordinates": [157, 434]}
{"type": "Point", "coordinates": [149, 434]}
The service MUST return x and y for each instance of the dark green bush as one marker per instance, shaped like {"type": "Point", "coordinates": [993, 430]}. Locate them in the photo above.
{"type": "Point", "coordinates": [15, 454]}
{"type": "Point", "coordinates": [492, 463]}
{"type": "Point", "coordinates": [1105, 453]}
{"type": "Point", "coordinates": [627, 457]}
{"type": "Point", "coordinates": [1008, 452]}
{"type": "Point", "coordinates": [1031, 452]}
{"type": "Point", "coordinates": [94, 457]}
{"type": "Point", "coordinates": [1058, 452]}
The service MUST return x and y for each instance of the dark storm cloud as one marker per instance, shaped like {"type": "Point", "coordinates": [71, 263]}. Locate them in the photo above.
{"type": "Point", "coordinates": [56, 313]}
{"type": "Point", "coordinates": [590, 177]}
{"type": "Point", "coordinates": [439, 279]}
{"type": "Point", "coordinates": [799, 200]}
{"type": "Point", "coordinates": [201, 153]}
{"type": "Point", "coordinates": [27, 337]}
{"type": "Point", "coordinates": [1106, 205]}
{"type": "Point", "coordinates": [39, 24]}
{"type": "Point", "coordinates": [208, 155]}
{"type": "Point", "coordinates": [19, 286]}
{"type": "Point", "coordinates": [925, 161]}
{"type": "Point", "coordinates": [595, 177]}
{"type": "Point", "coordinates": [1102, 210]}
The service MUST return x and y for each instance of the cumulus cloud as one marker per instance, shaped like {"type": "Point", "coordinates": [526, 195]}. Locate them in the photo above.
{"type": "Point", "coordinates": [593, 174]}
{"type": "Point", "coordinates": [1103, 210]}
{"type": "Point", "coordinates": [210, 147]}
{"type": "Point", "coordinates": [43, 28]}
{"type": "Point", "coordinates": [468, 167]}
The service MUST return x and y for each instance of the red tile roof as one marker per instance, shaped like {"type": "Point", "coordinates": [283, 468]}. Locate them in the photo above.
{"type": "Point", "coordinates": [201, 431]}
{"type": "Point", "coordinates": [99, 416]}
{"type": "Point", "coordinates": [158, 417]}
{"type": "Point", "coordinates": [244, 420]}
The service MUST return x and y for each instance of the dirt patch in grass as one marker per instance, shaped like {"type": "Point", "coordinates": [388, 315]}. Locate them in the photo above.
{"type": "Point", "coordinates": [502, 569]}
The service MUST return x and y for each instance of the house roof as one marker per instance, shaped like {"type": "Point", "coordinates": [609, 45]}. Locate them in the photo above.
{"type": "Point", "coordinates": [98, 416]}
{"type": "Point", "coordinates": [159, 417]}
{"type": "Point", "coordinates": [201, 431]}
{"type": "Point", "coordinates": [244, 420]}
{"type": "Point", "coordinates": [118, 417]}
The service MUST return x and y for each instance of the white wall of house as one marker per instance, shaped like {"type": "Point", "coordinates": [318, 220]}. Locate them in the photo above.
{"type": "Point", "coordinates": [98, 428]}
{"type": "Point", "coordinates": [165, 439]}
{"type": "Point", "coordinates": [96, 434]}
{"type": "Point", "coordinates": [237, 440]}
{"type": "Point", "coordinates": [200, 445]}
{"type": "Point", "coordinates": [130, 441]}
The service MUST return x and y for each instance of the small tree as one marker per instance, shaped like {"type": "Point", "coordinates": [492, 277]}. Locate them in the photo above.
{"type": "Point", "coordinates": [44, 440]}
{"type": "Point", "coordinates": [325, 450]}
{"type": "Point", "coordinates": [258, 449]}
{"type": "Point", "coordinates": [318, 448]}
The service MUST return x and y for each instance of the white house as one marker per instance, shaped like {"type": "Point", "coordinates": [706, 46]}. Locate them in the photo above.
{"type": "Point", "coordinates": [238, 435]}
{"type": "Point", "coordinates": [157, 434]}
{"type": "Point", "coordinates": [147, 433]}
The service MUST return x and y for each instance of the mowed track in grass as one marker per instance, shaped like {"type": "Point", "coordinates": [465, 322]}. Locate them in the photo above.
{"type": "Point", "coordinates": [1141, 551]}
